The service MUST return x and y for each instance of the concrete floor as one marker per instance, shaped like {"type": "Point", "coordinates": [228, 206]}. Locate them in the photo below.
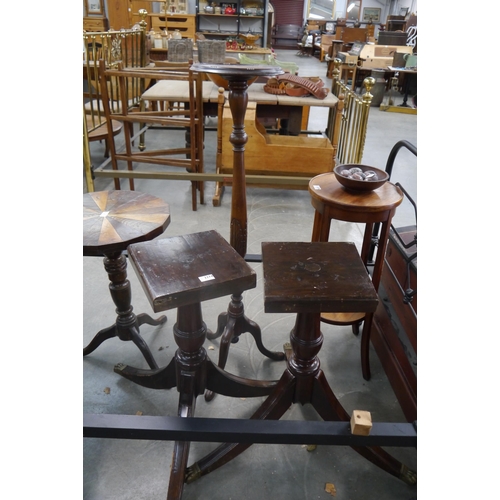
{"type": "Point", "coordinates": [116, 469]}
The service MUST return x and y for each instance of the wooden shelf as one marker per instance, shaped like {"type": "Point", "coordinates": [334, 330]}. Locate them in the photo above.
{"type": "Point", "coordinates": [230, 16]}
{"type": "Point", "coordinates": [185, 23]}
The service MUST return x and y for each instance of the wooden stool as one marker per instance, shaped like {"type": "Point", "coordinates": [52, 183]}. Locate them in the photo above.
{"type": "Point", "coordinates": [181, 272]}
{"type": "Point", "coordinates": [111, 221]}
{"type": "Point", "coordinates": [308, 279]}
{"type": "Point", "coordinates": [332, 201]}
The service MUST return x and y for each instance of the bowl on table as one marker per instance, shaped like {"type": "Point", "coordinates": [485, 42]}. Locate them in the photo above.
{"type": "Point", "coordinates": [360, 178]}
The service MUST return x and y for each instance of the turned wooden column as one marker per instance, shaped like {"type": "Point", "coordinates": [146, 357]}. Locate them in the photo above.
{"type": "Point", "coordinates": [233, 323]}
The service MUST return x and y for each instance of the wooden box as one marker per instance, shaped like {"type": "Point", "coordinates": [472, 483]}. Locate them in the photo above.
{"type": "Point", "coordinates": [376, 62]}
{"type": "Point", "coordinates": [347, 58]}
{"type": "Point", "coordinates": [275, 154]}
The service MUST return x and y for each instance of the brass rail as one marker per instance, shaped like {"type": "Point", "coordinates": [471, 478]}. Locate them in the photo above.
{"type": "Point", "coordinates": [354, 110]}
{"type": "Point", "coordinates": [128, 47]}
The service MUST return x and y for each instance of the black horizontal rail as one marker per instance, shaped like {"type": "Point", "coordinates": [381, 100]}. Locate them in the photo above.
{"type": "Point", "coordinates": [223, 430]}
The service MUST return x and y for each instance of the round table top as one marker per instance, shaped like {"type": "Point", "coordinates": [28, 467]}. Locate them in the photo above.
{"type": "Point", "coordinates": [238, 71]}
{"type": "Point", "coordinates": [326, 189]}
{"type": "Point", "coordinates": [112, 220]}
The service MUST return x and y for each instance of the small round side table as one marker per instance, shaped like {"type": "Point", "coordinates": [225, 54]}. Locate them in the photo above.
{"type": "Point", "coordinates": [112, 220]}
{"type": "Point", "coordinates": [332, 201]}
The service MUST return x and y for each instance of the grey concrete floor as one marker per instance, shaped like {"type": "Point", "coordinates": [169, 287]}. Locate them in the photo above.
{"type": "Point", "coordinates": [119, 469]}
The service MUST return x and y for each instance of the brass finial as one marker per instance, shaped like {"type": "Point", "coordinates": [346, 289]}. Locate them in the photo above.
{"type": "Point", "coordinates": [143, 23]}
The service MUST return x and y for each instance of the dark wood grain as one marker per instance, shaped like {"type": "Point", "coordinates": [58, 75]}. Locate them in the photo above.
{"type": "Point", "coordinates": [300, 277]}
{"type": "Point", "coordinates": [316, 277]}
{"type": "Point", "coordinates": [111, 221]}
{"type": "Point", "coordinates": [171, 270]}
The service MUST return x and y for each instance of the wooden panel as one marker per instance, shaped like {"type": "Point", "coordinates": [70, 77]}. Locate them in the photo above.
{"type": "Point", "coordinates": [396, 365]}
{"type": "Point", "coordinates": [124, 13]}
{"type": "Point", "coordinates": [118, 14]}
{"type": "Point", "coordinates": [284, 155]}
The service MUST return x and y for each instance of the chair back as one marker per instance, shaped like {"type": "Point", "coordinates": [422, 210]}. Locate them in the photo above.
{"type": "Point", "coordinates": [348, 123]}
{"type": "Point", "coordinates": [188, 119]}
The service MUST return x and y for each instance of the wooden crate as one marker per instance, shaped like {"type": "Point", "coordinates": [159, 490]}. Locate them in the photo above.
{"type": "Point", "coordinates": [185, 23]}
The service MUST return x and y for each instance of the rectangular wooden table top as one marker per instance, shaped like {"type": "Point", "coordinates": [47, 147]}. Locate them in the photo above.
{"type": "Point", "coordinates": [167, 90]}
{"type": "Point", "coordinates": [316, 277]}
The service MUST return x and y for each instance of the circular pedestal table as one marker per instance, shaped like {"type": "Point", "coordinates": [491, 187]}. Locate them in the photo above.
{"type": "Point", "coordinates": [332, 201]}
{"type": "Point", "coordinates": [233, 323]}
{"type": "Point", "coordinates": [112, 220]}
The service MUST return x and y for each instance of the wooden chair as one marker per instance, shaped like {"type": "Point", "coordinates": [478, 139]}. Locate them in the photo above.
{"type": "Point", "coordinates": [95, 121]}
{"type": "Point", "coordinates": [189, 118]}
{"type": "Point", "coordinates": [126, 46]}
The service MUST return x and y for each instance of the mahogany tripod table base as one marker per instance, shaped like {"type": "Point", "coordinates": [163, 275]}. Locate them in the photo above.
{"type": "Point", "coordinates": [181, 272]}
{"type": "Point", "coordinates": [230, 326]}
{"type": "Point", "coordinates": [308, 279]}
{"type": "Point", "coordinates": [111, 221]}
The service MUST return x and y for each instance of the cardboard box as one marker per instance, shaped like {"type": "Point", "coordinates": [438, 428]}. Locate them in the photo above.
{"type": "Point", "coordinates": [372, 50]}
{"type": "Point", "coordinates": [376, 62]}
{"type": "Point", "coordinates": [347, 58]}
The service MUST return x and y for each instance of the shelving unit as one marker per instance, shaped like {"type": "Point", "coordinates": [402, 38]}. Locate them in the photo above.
{"type": "Point", "coordinates": [185, 23]}
{"type": "Point", "coordinates": [222, 26]}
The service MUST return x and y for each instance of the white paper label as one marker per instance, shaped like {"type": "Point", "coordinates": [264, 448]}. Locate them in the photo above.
{"type": "Point", "coordinates": [207, 277]}
{"type": "Point", "coordinates": [318, 188]}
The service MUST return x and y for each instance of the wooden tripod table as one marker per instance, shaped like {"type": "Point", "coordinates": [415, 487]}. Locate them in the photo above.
{"type": "Point", "coordinates": [112, 220]}
{"type": "Point", "coordinates": [308, 279]}
{"type": "Point", "coordinates": [233, 323]}
{"type": "Point", "coordinates": [181, 272]}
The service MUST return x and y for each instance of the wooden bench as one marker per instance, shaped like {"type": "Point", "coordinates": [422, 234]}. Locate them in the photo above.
{"type": "Point", "coordinates": [286, 36]}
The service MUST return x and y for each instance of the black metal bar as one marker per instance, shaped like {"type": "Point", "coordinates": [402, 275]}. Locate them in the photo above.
{"type": "Point", "coordinates": [388, 168]}
{"type": "Point", "coordinates": [394, 152]}
{"type": "Point", "coordinates": [221, 430]}
{"type": "Point", "coordinates": [253, 257]}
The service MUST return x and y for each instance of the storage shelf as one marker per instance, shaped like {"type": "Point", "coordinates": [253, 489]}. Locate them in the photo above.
{"type": "Point", "coordinates": [219, 25]}
{"type": "Point", "coordinates": [242, 16]}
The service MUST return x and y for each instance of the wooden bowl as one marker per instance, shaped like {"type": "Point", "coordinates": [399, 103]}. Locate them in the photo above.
{"type": "Point", "coordinates": [360, 185]}
{"type": "Point", "coordinates": [222, 82]}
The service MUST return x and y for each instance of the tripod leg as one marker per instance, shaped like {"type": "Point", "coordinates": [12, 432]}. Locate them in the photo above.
{"type": "Point", "coordinates": [329, 408]}
{"type": "Point", "coordinates": [273, 408]}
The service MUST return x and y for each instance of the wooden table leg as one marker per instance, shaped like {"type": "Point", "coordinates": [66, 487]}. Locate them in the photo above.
{"type": "Point", "coordinates": [127, 323]}
{"type": "Point", "coordinates": [302, 382]}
